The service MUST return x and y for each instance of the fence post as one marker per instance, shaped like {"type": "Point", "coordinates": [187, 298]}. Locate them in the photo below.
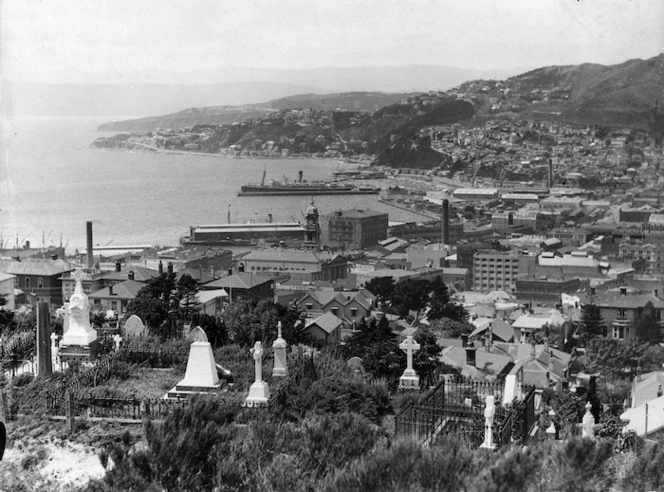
{"type": "Point", "coordinates": [69, 406]}
{"type": "Point", "coordinates": [4, 408]}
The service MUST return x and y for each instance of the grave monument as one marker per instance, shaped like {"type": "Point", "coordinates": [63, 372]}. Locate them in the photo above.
{"type": "Point", "coordinates": [409, 378]}
{"type": "Point", "coordinates": [80, 340]}
{"type": "Point", "coordinates": [489, 413]}
{"type": "Point", "coordinates": [280, 368]}
{"type": "Point", "coordinates": [201, 374]}
{"type": "Point", "coordinates": [259, 392]}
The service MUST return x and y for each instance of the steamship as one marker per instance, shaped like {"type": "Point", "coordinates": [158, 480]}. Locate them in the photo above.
{"type": "Point", "coordinates": [301, 187]}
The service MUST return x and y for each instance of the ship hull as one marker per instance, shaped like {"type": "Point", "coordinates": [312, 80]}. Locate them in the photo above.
{"type": "Point", "coordinates": [314, 191]}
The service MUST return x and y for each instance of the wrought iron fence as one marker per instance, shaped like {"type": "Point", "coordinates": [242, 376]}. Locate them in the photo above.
{"type": "Point", "coordinates": [454, 406]}
{"type": "Point", "coordinates": [304, 367]}
{"type": "Point", "coordinates": [129, 408]}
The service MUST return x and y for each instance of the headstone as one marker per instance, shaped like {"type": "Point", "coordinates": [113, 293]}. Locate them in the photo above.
{"type": "Point", "coordinates": [197, 335]}
{"type": "Point", "coordinates": [134, 327]}
{"type": "Point", "coordinates": [117, 339]}
{"type": "Point", "coordinates": [355, 363]}
{"type": "Point", "coordinates": [489, 413]}
{"type": "Point", "coordinates": [279, 346]}
{"type": "Point", "coordinates": [409, 379]}
{"type": "Point", "coordinates": [259, 393]}
{"type": "Point", "coordinates": [201, 374]}
{"type": "Point", "coordinates": [80, 332]}
{"type": "Point", "coordinates": [44, 362]}
{"type": "Point", "coordinates": [551, 430]}
{"type": "Point", "coordinates": [588, 423]}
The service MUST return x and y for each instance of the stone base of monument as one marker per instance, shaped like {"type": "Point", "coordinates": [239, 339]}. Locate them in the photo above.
{"type": "Point", "coordinates": [180, 391]}
{"type": "Point", "coordinates": [409, 380]}
{"type": "Point", "coordinates": [259, 395]}
{"type": "Point", "coordinates": [79, 353]}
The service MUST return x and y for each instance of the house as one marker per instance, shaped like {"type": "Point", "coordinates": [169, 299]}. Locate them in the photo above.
{"type": "Point", "coordinates": [306, 264]}
{"type": "Point", "coordinates": [348, 306]}
{"type": "Point", "coordinates": [39, 278]}
{"type": "Point", "coordinates": [620, 308]}
{"type": "Point", "coordinates": [244, 286]}
{"type": "Point", "coordinates": [7, 291]}
{"type": "Point", "coordinates": [115, 297]}
{"type": "Point", "coordinates": [497, 329]}
{"type": "Point", "coordinates": [646, 387]}
{"type": "Point", "coordinates": [647, 419]}
{"type": "Point", "coordinates": [530, 323]}
{"type": "Point", "coordinates": [211, 302]}
{"type": "Point", "coordinates": [326, 328]}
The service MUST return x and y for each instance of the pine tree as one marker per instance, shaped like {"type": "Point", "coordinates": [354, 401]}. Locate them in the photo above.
{"type": "Point", "coordinates": [592, 324]}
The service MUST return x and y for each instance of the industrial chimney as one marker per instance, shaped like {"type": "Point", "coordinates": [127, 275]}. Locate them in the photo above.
{"type": "Point", "coordinates": [550, 173]}
{"type": "Point", "coordinates": [91, 260]}
{"type": "Point", "coordinates": [299, 176]}
{"type": "Point", "coordinates": [446, 221]}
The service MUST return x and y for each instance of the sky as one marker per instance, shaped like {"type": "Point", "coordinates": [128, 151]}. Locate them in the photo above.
{"type": "Point", "coordinates": [80, 40]}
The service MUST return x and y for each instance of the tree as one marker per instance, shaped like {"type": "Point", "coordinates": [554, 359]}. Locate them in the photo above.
{"type": "Point", "coordinates": [618, 358]}
{"type": "Point", "coordinates": [592, 324]}
{"type": "Point", "coordinates": [427, 359]}
{"type": "Point", "coordinates": [410, 295]}
{"type": "Point", "coordinates": [646, 327]}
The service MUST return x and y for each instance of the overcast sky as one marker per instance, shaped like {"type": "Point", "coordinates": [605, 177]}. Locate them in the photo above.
{"type": "Point", "coordinates": [63, 40]}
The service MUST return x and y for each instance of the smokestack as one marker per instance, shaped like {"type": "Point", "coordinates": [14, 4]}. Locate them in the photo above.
{"type": "Point", "coordinates": [299, 176]}
{"type": "Point", "coordinates": [161, 268]}
{"type": "Point", "coordinates": [91, 260]}
{"type": "Point", "coordinates": [550, 173]}
{"type": "Point", "coordinates": [446, 221]}
{"type": "Point", "coordinates": [170, 268]}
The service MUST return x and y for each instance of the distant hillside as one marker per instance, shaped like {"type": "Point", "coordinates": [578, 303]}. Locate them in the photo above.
{"type": "Point", "coordinates": [217, 115]}
{"type": "Point", "coordinates": [626, 93]}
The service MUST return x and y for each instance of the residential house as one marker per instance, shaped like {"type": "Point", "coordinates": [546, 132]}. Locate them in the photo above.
{"type": "Point", "coordinates": [244, 286]}
{"type": "Point", "coordinates": [39, 279]}
{"type": "Point", "coordinates": [326, 328]}
{"type": "Point", "coordinates": [7, 291]}
{"type": "Point", "coordinates": [115, 297]}
{"type": "Point", "coordinates": [620, 308]}
{"type": "Point", "coordinates": [349, 306]}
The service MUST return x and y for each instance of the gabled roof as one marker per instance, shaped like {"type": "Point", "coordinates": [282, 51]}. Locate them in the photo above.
{"type": "Point", "coordinates": [328, 322]}
{"type": "Point", "coordinates": [123, 290]}
{"type": "Point", "coordinates": [203, 296]}
{"type": "Point", "coordinates": [240, 280]}
{"type": "Point", "coordinates": [291, 256]}
{"type": "Point", "coordinates": [609, 299]}
{"type": "Point", "coordinates": [141, 274]}
{"type": "Point", "coordinates": [35, 266]}
{"type": "Point", "coordinates": [484, 361]}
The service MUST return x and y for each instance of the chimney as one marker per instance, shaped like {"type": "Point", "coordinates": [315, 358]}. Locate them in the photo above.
{"type": "Point", "coordinates": [230, 271]}
{"type": "Point", "coordinates": [464, 340]}
{"type": "Point", "coordinates": [27, 245]}
{"type": "Point", "coordinates": [299, 176]}
{"type": "Point", "coordinates": [88, 228]}
{"type": "Point", "coordinates": [470, 356]}
{"type": "Point", "coordinates": [118, 266]}
{"type": "Point", "coordinates": [55, 257]}
{"type": "Point", "coordinates": [623, 291]}
{"type": "Point", "coordinates": [170, 268]}
{"type": "Point", "coordinates": [446, 221]}
{"type": "Point", "coordinates": [240, 267]}
{"type": "Point", "coordinates": [110, 290]}
{"type": "Point", "coordinates": [550, 173]}
{"type": "Point", "coordinates": [161, 268]}
{"type": "Point", "coordinates": [131, 275]}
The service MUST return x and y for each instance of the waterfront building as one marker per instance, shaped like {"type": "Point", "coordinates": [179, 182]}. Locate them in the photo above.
{"type": "Point", "coordinates": [315, 266]}
{"type": "Point", "coordinates": [353, 229]}
{"type": "Point", "coordinates": [495, 270]}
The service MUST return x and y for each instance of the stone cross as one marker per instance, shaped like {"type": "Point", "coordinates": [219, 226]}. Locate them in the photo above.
{"type": "Point", "coordinates": [257, 352]}
{"type": "Point", "coordinates": [588, 423]}
{"type": "Point", "coordinates": [117, 339]}
{"type": "Point", "coordinates": [78, 275]}
{"type": "Point", "coordinates": [489, 413]}
{"type": "Point", "coordinates": [409, 346]}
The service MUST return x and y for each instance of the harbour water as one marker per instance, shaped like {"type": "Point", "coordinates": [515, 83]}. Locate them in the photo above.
{"type": "Point", "coordinates": [52, 182]}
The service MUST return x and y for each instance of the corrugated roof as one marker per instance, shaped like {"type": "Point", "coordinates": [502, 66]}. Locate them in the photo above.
{"type": "Point", "coordinates": [34, 266]}
{"type": "Point", "coordinates": [124, 290]}
{"type": "Point", "coordinates": [328, 322]}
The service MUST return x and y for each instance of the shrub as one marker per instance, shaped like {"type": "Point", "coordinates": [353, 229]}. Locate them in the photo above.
{"type": "Point", "coordinates": [23, 379]}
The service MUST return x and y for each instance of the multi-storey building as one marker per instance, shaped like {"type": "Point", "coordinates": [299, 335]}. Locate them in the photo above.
{"type": "Point", "coordinates": [353, 229]}
{"type": "Point", "coordinates": [495, 270]}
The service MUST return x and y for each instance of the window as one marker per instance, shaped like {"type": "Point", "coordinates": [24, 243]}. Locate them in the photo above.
{"type": "Point", "coordinates": [334, 310]}
{"type": "Point", "coordinates": [40, 283]}
{"type": "Point", "coordinates": [353, 312]}
{"type": "Point", "coordinates": [114, 305]}
{"type": "Point", "coordinates": [27, 282]}
{"type": "Point", "coordinates": [309, 305]}
{"type": "Point", "coordinates": [16, 282]}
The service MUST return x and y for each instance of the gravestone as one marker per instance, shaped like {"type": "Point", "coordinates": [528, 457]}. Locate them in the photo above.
{"type": "Point", "coordinates": [44, 362]}
{"type": "Point", "coordinates": [197, 335]}
{"type": "Point", "coordinates": [259, 392]}
{"type": "Point", "coordinates": [117, 339]}
{"type": "Point", "coordinates": [280, 368]}
{"type": "Point", "coordinates": [201, 374]}
{"type": "Point", "coordinates": [134, 327]}
{"type": "Point", "coordinates": [80, 341]}
{"type": "Point", "coordinates": [489, 413]}
{"type": "Point", "coordinates": [409, 379]}
{"type": "Point", "coordinates": [588, 423]}
{"type": "Point", "coordinates": [355, 363]}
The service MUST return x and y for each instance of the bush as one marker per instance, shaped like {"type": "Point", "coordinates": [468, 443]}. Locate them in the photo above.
{"type": "Point", "coordinates": [23, 379]}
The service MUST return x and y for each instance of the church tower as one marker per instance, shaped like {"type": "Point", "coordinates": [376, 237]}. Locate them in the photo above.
{"type": "Point", "coordinates": [311, 228]}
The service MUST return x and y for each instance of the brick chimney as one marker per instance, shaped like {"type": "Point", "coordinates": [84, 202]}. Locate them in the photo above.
{"type": "Point", "coordinates": [130, 276]}
{"type": "Point", "coordinates": [470, 356]}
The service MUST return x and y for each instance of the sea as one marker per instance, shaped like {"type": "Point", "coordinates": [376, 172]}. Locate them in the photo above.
{"type": "Point", "coordinates": [52, 182]}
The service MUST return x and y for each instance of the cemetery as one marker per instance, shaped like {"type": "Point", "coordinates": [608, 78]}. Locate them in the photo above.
{"type": "Point", "coordinates": [199, 411]}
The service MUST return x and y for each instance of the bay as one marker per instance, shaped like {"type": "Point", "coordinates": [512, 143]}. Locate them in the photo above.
{"type": "Point", "coordinates": [52, 182]}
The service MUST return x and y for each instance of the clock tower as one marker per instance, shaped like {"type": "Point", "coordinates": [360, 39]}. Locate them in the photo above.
{"type": "Point", "coordinates": [311, 228]}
